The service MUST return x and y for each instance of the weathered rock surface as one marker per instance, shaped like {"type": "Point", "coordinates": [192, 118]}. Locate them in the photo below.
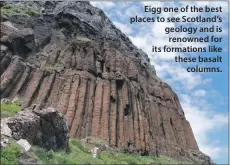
{"type": "Point", "coordinates": [78, 62]}
{"type": "Point", "coordinates": [95, 152]}
{"type": "Point", "coordinates": [25, 145]}
{"type": "Point", "coordinates": [46, 128]}
{"type": "Point", "coordinates": [5, 130]}
{"type": "Point", "coordinates": [4, 142]}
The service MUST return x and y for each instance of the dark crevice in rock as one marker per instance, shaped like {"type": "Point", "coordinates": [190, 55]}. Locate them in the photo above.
{"type": "Point", "coordinates": [101, 110]}
{"type": "Point", "coordinates": [109, 114]}
{"type": "Point", "coordinates": [119, 85]}
{"type": "Point", "coordinates": [86, 95]}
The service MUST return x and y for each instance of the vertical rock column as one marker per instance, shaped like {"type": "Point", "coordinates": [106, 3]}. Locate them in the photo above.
{"type": "Point", "coordinates": [113, 114]}
{"type": "Point", "coordinates": [21, 82]}
{"type": "Point", "coordinates": [45, 91]}
{"type": "Point", "coordinates": [32, 87]}
{"type": "Point", "coordinates": [141, 123]}
{"type": "Point", "coordinates": [11, 76]}
{"type": "Point", "coordinates": [87, 119]}
{"type": "Point", "coordinates": [73, 100]}
{"type": "Point", "coordinates": [128, 119]}
{"type": "Point", "coordinates": [123, 104]}
{"type": "Point", "coordinates": [64, 98]}
{"type": "Point", "coordinates": [105, 111]}
{"type": "Point", "coordinates": [136, 120]}
{"type": "Point", "coordinates": [97, 109]}
{"type": "Point", "coordinates": [56, 91]}
{"type": "Point", "coordinates": [75, 127]}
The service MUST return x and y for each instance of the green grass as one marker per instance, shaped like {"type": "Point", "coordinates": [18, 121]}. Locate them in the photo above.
{"type": "Point", "coordinates": [10, 154]}
{"type": "Point", "coordinates": [11, 10]}
{"type": "Point", "coordinates": [79, 155]}
{"type": "Point", "coordinates": [50, 68]}
{"type": "Point", "coordinates": [8, 110]}
{"type": "Point", "coordinates": [84, 39]}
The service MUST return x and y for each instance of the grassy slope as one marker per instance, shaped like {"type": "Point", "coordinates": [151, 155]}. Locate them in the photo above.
{"type": "Point", "coordinates": [8, 110]}
{"type": "Point", "coordinates": [10, 154]}
{"type": "Point", "coordinates": [79, 155]}
{"type": "Point", "coordinates": [12, 10]}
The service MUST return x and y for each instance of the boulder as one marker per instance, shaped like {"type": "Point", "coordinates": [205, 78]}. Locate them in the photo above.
{"type": "Point", "coordinates": [46, 128]}
{"type": "Point", "coordinates": [95, 152]}
{"type": "Point", "coordinates": [20, 41]}
{"type": "Point", "coordinates": [24, 144]}
{"type": "Point", "coordinates": [5, 130]}
{"type": "Point", "coordinates": [4, 142]}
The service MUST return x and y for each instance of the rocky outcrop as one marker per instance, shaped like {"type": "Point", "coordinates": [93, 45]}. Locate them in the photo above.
{"type": "Point", "coordinates": [46, 128]}
{"type": "Point", "coordinates": [82, 65]}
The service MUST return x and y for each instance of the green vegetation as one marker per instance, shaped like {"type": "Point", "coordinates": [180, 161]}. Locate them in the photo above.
{"type": "Point", "coordinates": [50, 68]}
{"type": "Point", "coordinates": [84, 39]}
{"type": "Point", "coordinates": [10, 154]}
{"type": "Point", "coordinates": [8, 110]}
{"type": "Point", "coordinates": [79, 155]}
{"type": "Point", "coordinates": [11, 10]}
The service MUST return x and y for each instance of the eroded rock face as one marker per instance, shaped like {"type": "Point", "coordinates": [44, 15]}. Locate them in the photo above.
{"type": "Point", "coordinates": [46, 128]}
{"type": "Point", "coordinates": [83, 66]}
{"type": "Point", "coordinates": [20, 41]}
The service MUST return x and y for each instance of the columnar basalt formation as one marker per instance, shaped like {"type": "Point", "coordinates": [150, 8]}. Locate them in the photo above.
{"type": "Point", "coordinates": [71, 57]}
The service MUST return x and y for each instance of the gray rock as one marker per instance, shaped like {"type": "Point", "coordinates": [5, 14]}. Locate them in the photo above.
{"type": "Point", "coordinates": [24, 144]}
{"type": "Point", "coordinates": [46, 128]}
{"type": "Point", "coordinates": [5, 101]}
{"type": "Point", "coordinates": [4, 142]}
{"type": "Point", "coordinates": [95, 152]}
{"type": "Point", "coordinates": [20, 41]}
{"type": "Point", "coordinates": [16, 100]}
{"type": "Point", "coordinates": [5, 130]}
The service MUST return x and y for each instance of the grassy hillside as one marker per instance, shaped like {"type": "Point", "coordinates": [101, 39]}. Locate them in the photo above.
{"type": "Point", "coordinates": [78, 154]}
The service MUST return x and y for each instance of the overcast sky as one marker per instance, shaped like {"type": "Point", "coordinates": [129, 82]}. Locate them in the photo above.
{"type": "Point", "coordinates": [203, 96]}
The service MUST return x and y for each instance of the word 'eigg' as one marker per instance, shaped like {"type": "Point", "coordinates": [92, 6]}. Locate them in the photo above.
{"type": "Point", "coordinates": [158, 10]}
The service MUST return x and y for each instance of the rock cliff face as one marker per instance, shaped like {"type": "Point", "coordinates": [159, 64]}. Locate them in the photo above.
{"type": "Point", "coordinates": [71, 57]}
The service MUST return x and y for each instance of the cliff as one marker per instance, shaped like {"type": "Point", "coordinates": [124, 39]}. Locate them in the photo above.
{"type": "Point", "coordinates": [70, 56]}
